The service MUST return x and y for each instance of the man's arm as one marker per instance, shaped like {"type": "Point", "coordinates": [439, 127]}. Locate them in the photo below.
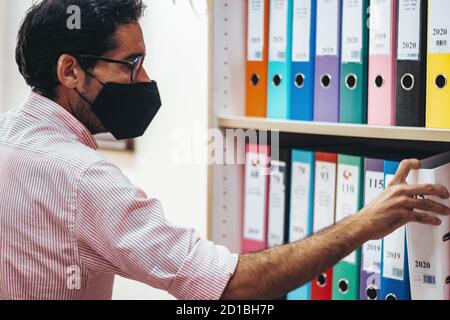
{"type": "Point", "coordinates": [275, 272]}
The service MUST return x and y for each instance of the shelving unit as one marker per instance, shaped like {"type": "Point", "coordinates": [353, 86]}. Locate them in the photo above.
{"type": "Point", "coordinates": [227, 111]}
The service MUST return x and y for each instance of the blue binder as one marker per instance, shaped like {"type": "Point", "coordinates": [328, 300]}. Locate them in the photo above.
{"type": "Point", "coordinates": [303, 58]}
{"type": "Point", "coordinates": [394, 262]}
{"type": "Point", "coordinates": [301, 222]}
{"type": "Point", "coordinates": [280, 52]}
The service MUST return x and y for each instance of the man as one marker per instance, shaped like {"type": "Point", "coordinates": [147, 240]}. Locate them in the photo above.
{"type": "Point", "coordinates": [70, 220]}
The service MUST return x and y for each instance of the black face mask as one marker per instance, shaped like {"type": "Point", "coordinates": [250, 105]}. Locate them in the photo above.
{"type": "Point", "coordinates": [126, 109]}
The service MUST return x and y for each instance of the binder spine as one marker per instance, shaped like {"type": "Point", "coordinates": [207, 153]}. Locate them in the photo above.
{"type": "Point", "coordinates": [354, 76]}
{"type": "Point", "coordinates": [256, 71]}
{"type": "Point", "coordinates": [327, 74]}
{"type": "Point", "coordinates": [382, 73]}
{"type": "Point", "coordinates": [346, 273]}
{"type": "Point", "coordinates": [370, 281]}
{"type": "Point", "coordinates": [301, 211]}
{"type": "Point", "coordinates": [411, 79]}
{"type": "Point", "coordinates": [279, 74]}
{"type": "Point", "coordinates": [302, 74]}
{"type": "Point", "coordinates": [394, 280]}
{"type": "Point", "coordinates": [255, 219]}
{"type": "Point", "coordinates": [321, 287]}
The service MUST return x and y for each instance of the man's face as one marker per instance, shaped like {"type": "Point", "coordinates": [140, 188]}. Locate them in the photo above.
{"type": "Point", "coordinates": [129, 44]}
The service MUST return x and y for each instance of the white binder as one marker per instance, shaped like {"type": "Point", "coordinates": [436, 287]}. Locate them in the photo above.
{"type": "Point", "coordinates": [429, 246]}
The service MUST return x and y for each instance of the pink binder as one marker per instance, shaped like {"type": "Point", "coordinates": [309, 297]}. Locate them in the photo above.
{"type": "Point", "coordinates": [256, 198]}
{"type": "Point", "coordinates": [382, 62]}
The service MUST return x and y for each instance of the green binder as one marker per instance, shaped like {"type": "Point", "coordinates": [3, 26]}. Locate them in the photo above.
{"type": "Point", "coordinates": [354, 62]}
{"type": "Point", "coordinates": [349, 200]}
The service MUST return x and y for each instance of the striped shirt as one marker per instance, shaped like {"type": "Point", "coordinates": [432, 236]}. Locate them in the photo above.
{"type": "Point", "coordinates": [70, 220]}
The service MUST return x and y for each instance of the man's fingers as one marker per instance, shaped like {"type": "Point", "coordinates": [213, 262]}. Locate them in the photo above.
{"type": "Point", "coordinates": [403, 170]}
{"type": "Point", "coordinates": [424, 218]}
{"type": "Point", "coordinates": [427, 190]}
{"type": "Point", "coordinates": [427, 205]}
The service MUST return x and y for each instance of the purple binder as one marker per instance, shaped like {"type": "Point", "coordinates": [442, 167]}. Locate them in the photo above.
{"type": "Point", "coordinates": [327, 78]}
{"type": "Point", "coordinates": [370, 282]}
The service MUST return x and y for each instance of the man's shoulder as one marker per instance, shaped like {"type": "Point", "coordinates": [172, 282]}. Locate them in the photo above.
{"type": "Point", "coordinates": [46, 141]}
{"type": "Point", "coordinates": [77, 155]}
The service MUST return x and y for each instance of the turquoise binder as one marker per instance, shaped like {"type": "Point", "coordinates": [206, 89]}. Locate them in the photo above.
{"type": "Point", "coordinates": [301, 178]}
{"type": "Point", "coordinates": [280, 53]}
{"type": "Point", "coordinates": [354, 62]}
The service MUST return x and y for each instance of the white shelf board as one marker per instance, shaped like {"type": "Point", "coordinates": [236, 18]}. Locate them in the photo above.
{"type": "Point", "coordinates": [337, 129]}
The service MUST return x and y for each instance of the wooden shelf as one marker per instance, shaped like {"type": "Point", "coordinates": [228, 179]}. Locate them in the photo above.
{"type": "Point", "coordinates": [338, 130]}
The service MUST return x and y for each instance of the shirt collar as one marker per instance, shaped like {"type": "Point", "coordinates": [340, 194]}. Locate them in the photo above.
{"type": "Point", "coordinates": [47, 110]}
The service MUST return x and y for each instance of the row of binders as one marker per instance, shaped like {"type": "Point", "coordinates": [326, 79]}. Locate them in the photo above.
{"type": "Point", "coordinates": [302, 192]}
{"type": "Point", "coordinates": [381, 62]}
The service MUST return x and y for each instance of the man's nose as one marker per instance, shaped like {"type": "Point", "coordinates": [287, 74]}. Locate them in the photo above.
{"type": "Point", "coordinates": [143, 76]}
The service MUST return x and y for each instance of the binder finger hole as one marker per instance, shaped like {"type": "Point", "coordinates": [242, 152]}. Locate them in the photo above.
{"type": "Point", "coordinates": [391, 296]}
{"type": "Point", "coordinates": [446, 237]}
{"type": "Point", "coordinates": [300, 80]}
{"type": "Point", "coordinates": [351, 81]}
{"type": "Point", "coordinates": [447, 281]}
{"type": "Point", "coordinates": [254, 80]}
{"type": "Point", "coordinates": [441, 81]}
{"type": "Point", "coordinates": [372, 293]}
{"type": "Point", "coordinates": [407, 82]}
{"type": "Point", "coordinates": [326, 81]}
{"type": "Point", "coordinates": [322, 280]}
{"type": "Point", "coordinates": [343, 286]}
{"type": "Point", "coordinates": [379, 81]}
{"type": "Point", "coordinates": [276, 80]}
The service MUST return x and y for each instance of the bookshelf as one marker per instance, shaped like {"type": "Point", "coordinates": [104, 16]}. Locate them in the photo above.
{"type": "Point", "coordinates": [227, 25]}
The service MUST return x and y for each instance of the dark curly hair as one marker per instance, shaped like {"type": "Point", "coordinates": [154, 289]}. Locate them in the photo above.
{"type": "Point", "coordinates": [44, 36]}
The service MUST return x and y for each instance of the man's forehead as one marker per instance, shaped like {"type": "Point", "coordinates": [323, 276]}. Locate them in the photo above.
{"type": "Point", "coordinates": [129, 41]}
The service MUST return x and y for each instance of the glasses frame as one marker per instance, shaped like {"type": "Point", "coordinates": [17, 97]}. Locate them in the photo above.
{"type": "Point", "coordinates": [131, 64]}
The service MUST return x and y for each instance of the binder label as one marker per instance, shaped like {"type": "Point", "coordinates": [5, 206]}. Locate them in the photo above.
{"type": "Point", "coordinates": [255, 38]}
{"type": "Point", "coordinates": [374, 186]}
{"type": "Point", "coordinates": [255, 196]}
{"type": "Point", "coordinates": [372, 256]}
{"type": "Point", "coordinates": [324, 195]}
{"type": "Point", "coordinates": [409, 26]}
{"type": "Point", "coordinates": [347, 196]}
{"type": "Point", "coordinates": [439, 26]}
{"type": "Point", "coordinates": [380, 27]}
{"type": "Point", "coordinates": [423, 258]}
{"type": "Point", "coordinates": [301, 31]}
{"type": "Point", "coordinates": [394, 250]}
{"type": "Point", "coordinates": [300, 201]}
{"type": "Point", "coordinates": [352, 32]}
{"type": "Point", "coordinates": [278, 30]}
{"type": "Point", "coordinates": [327, 27]}
{"type": "Point", "coordinates": [394, 255]}
{"type": "Point", "coordinates": [277, 203]}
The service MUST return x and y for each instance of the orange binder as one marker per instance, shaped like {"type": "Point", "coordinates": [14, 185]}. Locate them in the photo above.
{"type": "Point", "coordinates": [257, 57]}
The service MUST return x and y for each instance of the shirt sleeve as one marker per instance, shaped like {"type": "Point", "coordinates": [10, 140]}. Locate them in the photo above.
{"type": "Point", "coordinates": [120, 230]}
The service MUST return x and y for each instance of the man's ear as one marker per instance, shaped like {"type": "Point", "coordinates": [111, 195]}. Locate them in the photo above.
{"type": "Point", "coordinates": [69, 72]}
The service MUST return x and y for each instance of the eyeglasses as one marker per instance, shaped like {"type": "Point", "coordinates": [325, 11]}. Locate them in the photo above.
{"type": "Point", "coordinates": [134, 65]}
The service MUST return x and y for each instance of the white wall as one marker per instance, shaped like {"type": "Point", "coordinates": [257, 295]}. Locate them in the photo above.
{"type": "Point", "coordinates": [177, 43]}
{"type": "Point", "coordinates": [2, 50]}
{"type": "Point", "coordinates": [15, 90]}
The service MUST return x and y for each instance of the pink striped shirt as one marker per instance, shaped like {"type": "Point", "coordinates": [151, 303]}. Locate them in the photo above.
{"type": "Point", "coordinates": [70, 220]}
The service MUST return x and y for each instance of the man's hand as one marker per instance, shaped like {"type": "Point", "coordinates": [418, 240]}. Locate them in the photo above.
{"type": "Point", "coordinates": [396, 206]}
{"type": "Point", "coordinates": [274, 272]}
